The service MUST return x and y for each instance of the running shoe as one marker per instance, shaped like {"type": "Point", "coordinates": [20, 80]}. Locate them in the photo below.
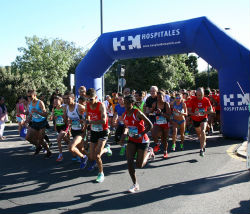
{"type": "Point", "coordinates": [60, 158]}
{"type": "Point", "coordinates": [109, 152]}
{"type": "Point", "coordinates": [83, 162]}
{"type": "Point", "coordinates": [92, 166]}
{"type": "Point", "coordinates": [186, 133]}
{"type": "Point", "coordinates": [134, 188]}
{"type": "Point", "coordinates": [157, 148]}
{"type": "Point", "coordinates": [38, 149]}
{"type": "Point", "coordinates": [182, 146]}
{"type": "Point", "coordinates": [173, 148]}
{"type": "Point", "coordinates": [201, 153]}
{"type": "Point", "coordinates": [122, 151]}
{"type": "Point", "coordinates": [165, 155]}
{"type": "Point", "coordinates": [100, 177]}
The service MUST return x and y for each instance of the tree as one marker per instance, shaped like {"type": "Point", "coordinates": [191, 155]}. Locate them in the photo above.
{"type": "Point", "coordinates": [45, 63]}
{"type": "Point", "coordinates": [201, 79]}
{"type": "Point", "coordinates": [167, 72]}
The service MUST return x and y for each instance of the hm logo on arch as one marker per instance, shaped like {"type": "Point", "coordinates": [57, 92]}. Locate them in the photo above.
{"type": "Point", "coordinates": [134, 42]}
{"type": "Point", "coordinates": [238, 103]}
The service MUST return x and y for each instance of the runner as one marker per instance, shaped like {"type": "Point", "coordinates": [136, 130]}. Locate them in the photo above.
{"type": "Point", "coordinates": [37, 123]}
{"type": "Point", "coordinates": [149, 101]}
{"type": "Point", "coordinates": [20, 116]}
{"type": "Point", "coordinates": [3, 117]}
{"type": "Point", "coordinates": [179, 110]}
{"type": "Point", "coordinates": [118, 121]}
{"type": "Point", "coordinates": [97, 118]}
{"type": "Point", "coordinates": [74, 113]}
{"type": "Point", "coordinates": [138, 139]}
{"type": "Point", "coordinates": [58, 114]}
{"type": "Point", "coordinates": [161, 110]}
{"type": "Point", "coordinates": [199, 109]}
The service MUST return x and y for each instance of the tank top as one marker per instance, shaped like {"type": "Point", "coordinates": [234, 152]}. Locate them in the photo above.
{"type": "Point", "coordinates": [36, 117]}
{"type": "Point", "coordinates": [59, 116]}
{"type": "Point", "coordinates": [179, 108]}
{"type": "Point", "coordinates": [95, 114]}
{"type": "Point", "coordinates": [135, 126]}
{"type": "Point", "coordinates": [74, 117]}
{"type": "Point", "coordinates": [21, 109]}
{"type": "Point", "coordinates": [160, 119]}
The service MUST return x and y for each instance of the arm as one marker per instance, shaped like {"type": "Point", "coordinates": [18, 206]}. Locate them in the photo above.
{"type": "Point", "coordinates": [148, 124]}
{"type": "Point", "coordinates": [185, 109]}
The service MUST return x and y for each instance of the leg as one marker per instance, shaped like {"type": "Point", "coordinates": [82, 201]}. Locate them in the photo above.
{"type": "Point", "coordinates": [99, 150]}
{"type": "Point", "coordinates": [73, 146]}
{"type": "Point", "coordinates": [182, 131]}
{"type": "Point", "coordinates": [175, 128]}
{"type": "Point", "coordinates": [131, 150]}
{"type": "Point", "coordinates": [165, 132]}
{"type": "Point", "coordinates": [203, 127]}
{"type": "Point", "coordinates": [156, 132]}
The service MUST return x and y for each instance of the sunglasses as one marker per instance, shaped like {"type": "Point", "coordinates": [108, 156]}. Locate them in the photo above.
{"type": "Point", "coordinates": [29, 96]}
{"type": "Point", "coordinates": [178, 98]}
{"type": "Point", "coordinates": [90, 99]}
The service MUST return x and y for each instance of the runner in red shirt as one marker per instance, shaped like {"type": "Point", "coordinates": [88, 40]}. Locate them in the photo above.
{"type": "Point", "coordinates": [97, 118]}
{"type": "Point", "coordinates": [136, 127]}
{"type": "Point", "coordinates": [199, 109]}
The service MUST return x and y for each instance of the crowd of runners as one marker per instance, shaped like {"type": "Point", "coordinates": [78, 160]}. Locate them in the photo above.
{"type": "Point", "coordinates": [136, 119]}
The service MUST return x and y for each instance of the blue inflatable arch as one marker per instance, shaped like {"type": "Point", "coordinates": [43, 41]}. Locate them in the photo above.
{"type": "Point", "coordinates": [198, 35]}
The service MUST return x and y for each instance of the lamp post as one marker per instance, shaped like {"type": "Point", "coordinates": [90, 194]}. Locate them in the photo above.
{"type": "Point", "coordinates": [103, 80]}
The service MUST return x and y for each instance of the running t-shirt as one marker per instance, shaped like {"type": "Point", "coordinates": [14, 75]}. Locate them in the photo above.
{"type": "Point", "coordinates": [36, 117]}
{"type": "Point", "coordinates": [95, 114]}
{"type": "Point", "coordinates": [135, 127]}
{"type": "Point", "coordinates": [58, 113]}
{"type": "Point", "coordinates": [201, 106]}
{"type": "Point", "coordinates": [75, 118]}
{"type": "Point", "coordinates": [120, 110]}
{"type": "Point", "coordinates": [21, 109]}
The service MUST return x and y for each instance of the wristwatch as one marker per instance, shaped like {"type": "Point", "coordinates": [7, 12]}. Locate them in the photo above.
{"type": "Point", "coordinates": [139, 135]}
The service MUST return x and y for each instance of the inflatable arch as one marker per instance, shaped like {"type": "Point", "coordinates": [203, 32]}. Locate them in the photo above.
{"type": "Point", "coordinates": [198, 35]}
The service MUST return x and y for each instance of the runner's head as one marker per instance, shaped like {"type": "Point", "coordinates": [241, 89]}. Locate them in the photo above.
{"type": "Point", "coordinates": [160, 96]}
{"type": "Point", "coordinates": [91, 95]}
{"type": "Point", "coordinates": [153, 91]}
{"type": "Point", "coordinates": [178, 97]}
{"type": "Point", "coordinates": [129, 102]}
{"type": "Point", "coordinates": [71, 98]}
{"type": "Point", "coordinates": [82, 91]}
{"type": "Point", "coordinates": [82, 100]}
{"type": "Point", "coordinates": [31, 94]}
{"type": "Point", "coordinates": [126, 92]}
{"type": "Point", "coordinates": [57, 101]}
{"type": "Point", "coordinates": [120, 99]}
{"type": "Point", "coordinates": [138, 96]}
{"type": "Point", "coordinates": [200, 93]}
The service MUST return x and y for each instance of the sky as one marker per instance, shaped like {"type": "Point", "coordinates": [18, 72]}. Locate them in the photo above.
{"type": "Point", "coordinates": [78, 21]}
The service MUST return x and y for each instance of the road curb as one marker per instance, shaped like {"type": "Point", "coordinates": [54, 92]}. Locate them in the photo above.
{"type": "Point", "coordinates": [242, 150]}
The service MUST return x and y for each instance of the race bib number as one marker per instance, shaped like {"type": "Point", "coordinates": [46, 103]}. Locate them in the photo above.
{"type": "Point", "coordinates": [76, 124]}
{"type": "Point", "coordinates": [36, 116]}
{"type": "Point", "coordinates": [96, 127]}
{"type": "Point", "coordinates": [59, 120]}
{"type": "Point", "coordinates": [132, 131]}
{"type": "Point", "coordinates": [201, 111]}
{"type": "Point", "coordinates": [161, 120]}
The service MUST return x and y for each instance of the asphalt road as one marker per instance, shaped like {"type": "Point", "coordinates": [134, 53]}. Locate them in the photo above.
{"type": "Point", "coordinates": [184, 183]}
